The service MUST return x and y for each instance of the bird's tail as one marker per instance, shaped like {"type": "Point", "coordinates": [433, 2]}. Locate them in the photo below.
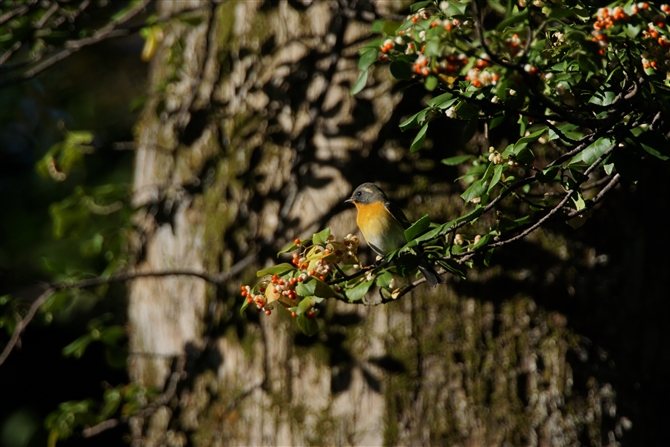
{"type": "Point", "coordinates": [430, 274]}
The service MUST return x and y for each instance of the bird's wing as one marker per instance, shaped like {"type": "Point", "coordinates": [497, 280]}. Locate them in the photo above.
{"type": "Point", "coordinates": [397, 213]}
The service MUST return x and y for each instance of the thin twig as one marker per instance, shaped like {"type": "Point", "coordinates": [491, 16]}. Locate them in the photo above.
{"type": "Point", "coordinates": [21, 325]}
{"type": "Point", "coordinates": [537, 224]}
{"type": "Point", "coordinates": [613, 182]}
{"type": "Point", "coordinates": [99, 428]}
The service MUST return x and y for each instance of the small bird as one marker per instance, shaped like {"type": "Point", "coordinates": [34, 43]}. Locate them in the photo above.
{"type": "Point", "coordinates": [383, 225]}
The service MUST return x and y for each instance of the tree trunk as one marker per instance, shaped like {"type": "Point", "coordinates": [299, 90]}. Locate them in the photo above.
{"type": "Point", "coordinates": [249, 139]}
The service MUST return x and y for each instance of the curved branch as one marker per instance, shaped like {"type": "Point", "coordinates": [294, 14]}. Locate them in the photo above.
{"type": "Point", "coordinates": [217, 280]}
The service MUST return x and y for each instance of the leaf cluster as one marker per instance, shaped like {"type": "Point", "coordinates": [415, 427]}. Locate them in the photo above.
{"type": "Point", "coordinates": [571, 99]}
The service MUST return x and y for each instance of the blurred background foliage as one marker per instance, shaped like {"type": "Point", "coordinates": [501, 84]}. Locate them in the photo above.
{"type": "Point", "coordinates": [64, 175]}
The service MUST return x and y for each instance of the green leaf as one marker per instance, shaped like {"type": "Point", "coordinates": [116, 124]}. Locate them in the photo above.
{"type": "Point", "coordinates": [474, 172]}
{"type": "Point", "coordinates": [456, 8]}
{"type": "Point", "coordinates": [515, 18]}
{"type": "Point", "coordinates": [288, 248]}
{"type": "Point", "coordinates": [112, 334]}
{"type": "Point", "coordinates": [497, 121]}
{"type": "Point", "coordinates": [77, 347]}
{"type": "Point", "coordinates": [654, 143]}
{"type": "Point", "coordinates": [278, 269]}
{"type": "Point", "coordinates": [417, 228]}
{"type": "Point", "coordinates": [548, 175]}
{"type": "Point", "coordinates": [306, 288]}
{"type": "Point", "coordinates": [475, 190]}
{"type": "Point", "coordinates": [384, 279]}
{"type": "Point", "coordinates": [453, 267]}
{"type": "Point", "coordinates": [457, 160]}
{"type": "Point", "coordinates": [360, 84]}
{"type": "Point", "coordinates": [482, 241]}
{"type": "Point", "coordinates": [632, 30]}
{"type": "Point", "coordinates": [413, 121]}
{"type": "Point", "coordinates": [568, 130]}
{"type": "Point", "coordinates": [430, 83]}
{"type": "Point", "coordinates": [578, 200]}
{"type": "Point", "coordinates": [308, 326]}
{"type": "Point", "coordinates": [592, 152]}
{"type": "Point", "coordinates": [378, 26]}
{"type": "Point", "coordinates": [466, 110]}
{"type": "Point", "coordinates": [401, 70]}
{"type": "Point", "coordinates": [390, 27]}
{"type": "Point", "coordinates": [558, 12]}
{"type": "Point", "coordinates": [418, 5]}
{"type": "Point", "coordinates": [305, 305]}
{"type": "Point", "coordinates": [419, 139]}
{"type": "Point", "coordinates": [358, 292]}
{"type": "Point", "coordinates": [603, 98]}
{"type": "Point", "coordinates": [321, 237]}
{"type": "Point", "coordinates": [497, 175]}
{"type": "Point", "coordinates": [523, 142]}
{"type": "Point", "coordinates": [244, 306]}
{"type": "Point", "coordinates": [432, 47]}
{"type": "Point", "coordinates": [368, 57]}
{"type": "Point", "coordinates": [525, 156]}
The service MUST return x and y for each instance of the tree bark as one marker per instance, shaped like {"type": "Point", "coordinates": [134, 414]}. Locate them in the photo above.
{"type": "Point", "coordinates": [249, 139]}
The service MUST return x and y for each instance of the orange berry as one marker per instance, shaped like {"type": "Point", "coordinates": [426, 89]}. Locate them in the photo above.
{"type": "Point", "coordinates": [310, 314]}
{"type": "Point", "coordinates": [293, 314]}
{"type": "Point", "coordinates": [250, 300]}
{"type": "Point", "coordinates": [268, 312]}
{"type": "Point", "coordinates": [296, 241]}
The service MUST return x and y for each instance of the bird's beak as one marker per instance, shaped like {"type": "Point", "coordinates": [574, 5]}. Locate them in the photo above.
{"type": "Point", "coordinates": [349, 200]}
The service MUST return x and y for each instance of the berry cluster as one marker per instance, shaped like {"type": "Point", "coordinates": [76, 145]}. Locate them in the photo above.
{"type": "Point", "coordinates": [479, 76]}
{"type": "Point", "coordinates": [413, 41]}
{"type": "Point", "coordinates": [657, 54]}
{"type": "Point", "coordinates": [312, 262]}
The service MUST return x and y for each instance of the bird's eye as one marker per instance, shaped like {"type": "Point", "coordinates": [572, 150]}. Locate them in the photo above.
{"type": "Point", "coordinates": [358, 194]}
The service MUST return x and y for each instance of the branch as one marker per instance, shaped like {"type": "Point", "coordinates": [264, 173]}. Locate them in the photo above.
{"type": "Point", "coordinates": [613, 182]}
{"type": "Point", "coordinates": [537, 224]}
{"type": "Point", "coordinates": [217, 280]}
{"type": "Point", "coordinates": [71, 47]}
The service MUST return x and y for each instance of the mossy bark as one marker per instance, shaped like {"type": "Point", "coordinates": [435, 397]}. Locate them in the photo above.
{"type": "Point", "coordinates": [249, 139]}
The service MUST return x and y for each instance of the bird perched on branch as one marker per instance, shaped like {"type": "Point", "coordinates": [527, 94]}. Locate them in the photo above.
{"type": "Point", "coordinates": [383, 225]}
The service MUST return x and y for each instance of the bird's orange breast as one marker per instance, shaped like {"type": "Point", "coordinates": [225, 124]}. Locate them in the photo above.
{"type": "Point", "coordinates": [380, 229]}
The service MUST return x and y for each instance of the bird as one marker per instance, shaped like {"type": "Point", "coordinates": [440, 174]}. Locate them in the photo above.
{"type": "Point", "coordinates": [383, 225]}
